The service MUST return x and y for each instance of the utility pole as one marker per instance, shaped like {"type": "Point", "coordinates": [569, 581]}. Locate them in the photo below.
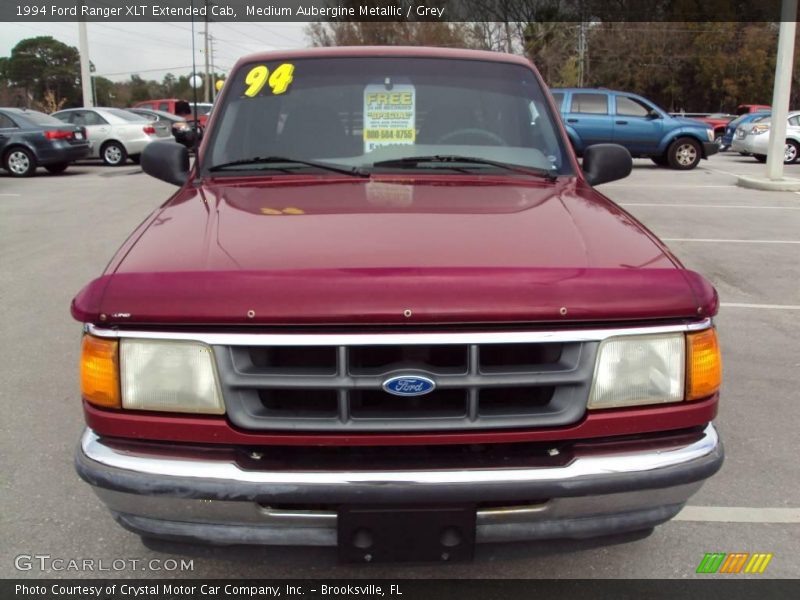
{"type": "Point", "coordinates": [86, 77]}
{"type": "Point", "coordinates": [207, 82]}
{"type": "Point", "coordinates": [782, 89]}
{"type": "Point", "coordinates": [581, 54]}
{"type": "Point", "coordinates": [94, 85]}
{"type": "Point", "coordinates": [213, 70]}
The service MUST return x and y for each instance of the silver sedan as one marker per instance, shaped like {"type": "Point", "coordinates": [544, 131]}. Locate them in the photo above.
{"type": "Point", "coordinates": [115, 134]}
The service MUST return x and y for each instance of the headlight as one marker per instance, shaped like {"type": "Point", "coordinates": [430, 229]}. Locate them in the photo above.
{"type": "Point", "coordinates": [710, 134]}
{"type": "Point", "coordinates": [640, 369]}
{"type": "Point", "coordinates": [169, 376]}
{"type": "Point", "coordinates": [758, 129]}
{"type": "Point", "coordinates": [181, 125]}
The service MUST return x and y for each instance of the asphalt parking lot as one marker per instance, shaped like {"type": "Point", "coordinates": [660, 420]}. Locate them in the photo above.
{"type": "Point", "coordinates": [58, 232]}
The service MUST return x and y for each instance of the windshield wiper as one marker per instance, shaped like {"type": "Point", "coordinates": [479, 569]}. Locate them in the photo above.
{"type": "Point", "coordinates": [269, 160]}
{"type": "Point", "coordinates": [412, 161]}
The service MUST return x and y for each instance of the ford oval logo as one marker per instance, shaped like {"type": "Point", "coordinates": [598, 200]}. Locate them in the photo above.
{"type": "Point", "coordinates": [409, 385]}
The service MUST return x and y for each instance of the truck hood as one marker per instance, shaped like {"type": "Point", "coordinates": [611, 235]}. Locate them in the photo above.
{"type": "Point", "coordinates": [349, 251]}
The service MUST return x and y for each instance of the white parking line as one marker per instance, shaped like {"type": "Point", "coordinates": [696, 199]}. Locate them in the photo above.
{"type": "Point", "coordinates": [665, 185]}
{"type": "Point", "coordinates": [763, 306]}
{"type": "Point", "coordinates": [721, 172]}
{"type": "Point", "coordinates": [736, 514]}
{"type": "Point", "coordinates": [708, 205]}
{"type": "Point", "coordinates": [707, 240]}
{"type": "Point", "coordinates": [10, 194]}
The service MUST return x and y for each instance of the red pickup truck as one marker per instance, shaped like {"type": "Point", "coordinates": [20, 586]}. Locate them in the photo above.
{"type": "Point", "coordinates": [179, 107]}
{"type": "Point", "coordinates": [387, 311]}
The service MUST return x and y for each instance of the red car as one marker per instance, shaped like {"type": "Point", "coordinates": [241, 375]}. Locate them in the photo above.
{"type": "Point", "coordinates": [387, 311]}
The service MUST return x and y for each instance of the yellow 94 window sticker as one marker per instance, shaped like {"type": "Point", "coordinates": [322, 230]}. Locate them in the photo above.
{"type": "Point", "coordinates": [278, 80]}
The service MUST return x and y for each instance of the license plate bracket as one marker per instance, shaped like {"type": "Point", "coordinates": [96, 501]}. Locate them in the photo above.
{"type": "Point", "coordinates": [406, 533]}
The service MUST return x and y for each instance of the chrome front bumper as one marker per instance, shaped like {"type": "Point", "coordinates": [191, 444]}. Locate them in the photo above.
{"type": "Point", "coordinates": [188, 496]}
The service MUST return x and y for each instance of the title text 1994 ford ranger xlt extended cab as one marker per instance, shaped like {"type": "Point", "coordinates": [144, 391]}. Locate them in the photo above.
{"type": "Point", "coordinates": [387, 311]}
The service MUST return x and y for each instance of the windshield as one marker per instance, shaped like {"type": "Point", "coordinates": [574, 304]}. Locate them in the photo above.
{"type": "Point", "coordinates": [356, 112]}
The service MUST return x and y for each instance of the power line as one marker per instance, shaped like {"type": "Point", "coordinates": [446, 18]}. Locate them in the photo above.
{"type": "Point", "coordinates": [132, 34]}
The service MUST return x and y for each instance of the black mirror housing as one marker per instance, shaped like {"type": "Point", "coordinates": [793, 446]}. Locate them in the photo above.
{"type": "Point", "coordinates": [606, 162]}
{"type": "Point", "coordinates": [167, 161]}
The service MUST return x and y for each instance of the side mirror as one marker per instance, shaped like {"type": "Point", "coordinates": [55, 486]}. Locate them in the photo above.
{"type": "Point", "coordinates": [167, 161]}
{"type": "Point", "coordinates": [606, 162]}
{"type": "Point", "coordinates": [653, 115]}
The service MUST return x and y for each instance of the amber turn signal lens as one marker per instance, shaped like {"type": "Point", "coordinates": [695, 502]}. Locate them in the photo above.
{"type": "Point", "coordinates": [100, 372]}
{"type": "Point", "coordinates": [703, 364]}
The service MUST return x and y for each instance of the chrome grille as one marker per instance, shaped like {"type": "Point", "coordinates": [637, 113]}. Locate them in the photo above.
{"type": "Point", "coordinates": [339, 387]}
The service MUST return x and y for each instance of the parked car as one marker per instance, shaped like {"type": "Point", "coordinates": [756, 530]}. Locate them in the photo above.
{"type": "Point", "coordinates": [29, 138]}
{"type": "Point", "coordinates": [596, 116]}
{"type": "Point", "coordinates": [753, 138]}
{"type": "Point", "coordinates": [184, 133]}
{"type": "Point", "coordinates": [115, 134]}
{"type": "Point", "coordinates": [408, 323]}
{"type": "Point", "coordinates": [741, 120]}
{"type": "Point", "coordinates": [182, 108]}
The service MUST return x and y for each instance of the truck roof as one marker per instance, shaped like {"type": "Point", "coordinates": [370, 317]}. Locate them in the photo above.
{"type": "Point", "coordinates": [596, 89]}
{"type": "Point", "coordinates": [386, 51]}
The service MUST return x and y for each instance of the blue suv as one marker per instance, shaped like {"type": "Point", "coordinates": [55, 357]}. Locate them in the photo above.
{"type": "Point", "coordinates": [596, 116]}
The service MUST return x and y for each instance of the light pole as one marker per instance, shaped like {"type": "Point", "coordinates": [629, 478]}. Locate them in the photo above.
{"type": "Point", "coordinates": [86, 78]}
{"type": "Point", "coordinates": [92, 69]}
{"type": "Point", "coordinates": [774, 179]}
{"type": "Point", "coordinates": [782, 89]}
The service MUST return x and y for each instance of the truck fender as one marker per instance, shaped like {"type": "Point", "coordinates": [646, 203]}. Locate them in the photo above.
{"type": "Point", "coordinates": [691, 132]}
{"type": "Point", "coordinates": [574, 139]}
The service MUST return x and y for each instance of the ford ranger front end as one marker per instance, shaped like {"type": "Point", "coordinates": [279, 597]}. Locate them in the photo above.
{"type": "Point", "coordinates": [386, 311]}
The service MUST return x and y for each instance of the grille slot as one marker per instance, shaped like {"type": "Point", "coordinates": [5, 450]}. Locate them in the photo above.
{"type": "Point", "coordinates": [380, 359]}
{"type": "Point", "coordinates": [523, 401]}
{"type": "Point", "coordinates": [502, 358]}
{"type": "Point", "coordinates": [301, 403]}
{"type": "Point", "coordinates": [313, 360]}
{"type": "Point", "coordinates": [377, 404]}
{"type": "Point", "coordinates": [339, 388]}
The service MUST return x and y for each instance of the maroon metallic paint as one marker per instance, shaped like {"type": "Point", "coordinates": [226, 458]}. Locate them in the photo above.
{"type": "Point", "coordinates": [453, 250]}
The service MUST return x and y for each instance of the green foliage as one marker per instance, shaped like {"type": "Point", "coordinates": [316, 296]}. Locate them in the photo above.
{"type": "Point", "coordinates": [42, 64]}
{"type": "Point", "coordinates": [104, 91]}
{"type": "Point", "coordinates": [692, 66]}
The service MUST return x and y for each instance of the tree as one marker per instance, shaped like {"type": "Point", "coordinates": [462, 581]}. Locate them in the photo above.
{"type": "Point", "coordinates": [42, 64]}
{"type": "Point", "coordinates": [104, 88]}
{"type": "Point", "coordinates": [169, 84]}
{"type": "Point", "coordinates": [552, 46]}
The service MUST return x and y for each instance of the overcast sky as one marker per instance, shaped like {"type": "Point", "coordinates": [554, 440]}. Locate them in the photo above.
{"type": "Point", "coordinates": [155, 49]}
